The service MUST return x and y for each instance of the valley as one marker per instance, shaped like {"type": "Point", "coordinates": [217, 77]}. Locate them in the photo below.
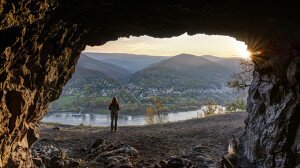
{"type": "Point", "coordinates": [181, 83]}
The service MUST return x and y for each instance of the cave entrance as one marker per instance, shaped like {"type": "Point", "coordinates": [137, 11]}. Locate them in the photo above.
{"type": "Point", "coordinates": [156, 80]}
{"type": "Point", "coordinates": [41, 42]}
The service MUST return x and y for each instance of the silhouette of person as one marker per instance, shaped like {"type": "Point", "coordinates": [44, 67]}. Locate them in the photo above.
{"type": "Point", "coordinates": [114, 109]}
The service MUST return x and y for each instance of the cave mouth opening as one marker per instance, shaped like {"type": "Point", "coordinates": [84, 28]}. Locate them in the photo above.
{"type": "Point", "coordinates": [186, 73]}
{"type": "Point", "coordinates": [42, 43]}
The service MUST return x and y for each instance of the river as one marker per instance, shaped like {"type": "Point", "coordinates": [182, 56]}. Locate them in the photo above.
{"type": "Point", "coordinates": [94, 119]}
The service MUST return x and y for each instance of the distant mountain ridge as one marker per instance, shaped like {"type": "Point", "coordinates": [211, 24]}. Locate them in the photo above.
{"type": "Point", "coordinates": [111, 70]}
{"type": "Point", "coordinates": [180, 69]}
{"type": "Point", "coordinates": [184, 80]}
{"type": "Point", "coordinates": [130, 62]}
{"type": "Point", "coordinates": [212, 58]}
{"type": "Point", "coordinates": [184, 71]}
{"type": "Point", "coordinates": [184, 74]}
{"type": "Point", "coordinates": [230, 62]}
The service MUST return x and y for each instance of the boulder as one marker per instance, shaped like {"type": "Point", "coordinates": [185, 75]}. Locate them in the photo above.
{"type": "Point", "coordinates": [112, 155]}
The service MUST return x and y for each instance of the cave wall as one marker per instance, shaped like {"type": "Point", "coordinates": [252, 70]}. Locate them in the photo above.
{"type": "Point", "coordinates": [38, 56]}
{"type": "Point", "coordinates": [40, 42]}
{"type": "Point", "coordinates": [270, 138]}
{"type": "Point", "coordinates": [296, 145]}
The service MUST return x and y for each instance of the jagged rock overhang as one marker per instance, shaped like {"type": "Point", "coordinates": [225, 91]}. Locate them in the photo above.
{"type": "Point", "coordinates": [245, 20]}
{"type": "Point", "coordinates": [41, 41]}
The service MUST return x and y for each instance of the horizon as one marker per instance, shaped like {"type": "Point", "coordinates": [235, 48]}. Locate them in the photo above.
{"type": "Point", "coordinates": [156, 55]}
{"type": "Point", "coordinates": [198, 45]}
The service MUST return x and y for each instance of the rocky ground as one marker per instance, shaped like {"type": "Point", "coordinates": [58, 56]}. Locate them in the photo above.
{"type": "Point", "coordinates": [192, 143]}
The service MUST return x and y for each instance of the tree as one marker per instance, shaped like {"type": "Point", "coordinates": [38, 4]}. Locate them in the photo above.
{"type": "Point", "coordinates": [150, 113]}
{"type": "Point", "coordinates": [238, 105]}
{"type": "Point", "coordinates": [158, 103]}
{"type": "Point", "coordinates": [154, 113]}
{"type": "Point", "coordinates": [86, 90]}
{"type": "Point", "coordinates": [242, 79]}
{"type": "Point", "coordinates": [211, 107]}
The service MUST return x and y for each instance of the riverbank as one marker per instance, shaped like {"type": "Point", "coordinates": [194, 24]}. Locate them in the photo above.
{"type": "Point", "coordinates": [155, 142]}
{"type": "Point", "coordinates": [93, 119]}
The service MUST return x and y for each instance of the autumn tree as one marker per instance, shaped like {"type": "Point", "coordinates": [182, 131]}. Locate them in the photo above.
{"type": "Point", "coordinates": [150, 113]}
{"type": "Point", "coordinates": [158, 103]}
{"type": "Point", "coordinates": [154, 113]}
{"type": "Point", "coordinates": [210, 108]}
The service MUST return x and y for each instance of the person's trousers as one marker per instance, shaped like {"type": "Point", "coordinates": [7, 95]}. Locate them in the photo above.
{"type": "Point", "coordinates": [114, 119]}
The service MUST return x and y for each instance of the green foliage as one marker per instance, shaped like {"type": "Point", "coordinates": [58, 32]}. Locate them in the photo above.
{"type": "Point", "coordinates": [180, 82]}
{"type": "Point", "coordinates": [183, 72]}
{"type": "Point", "coordinates": [133, 109]}
{"type": "Point", "coordinates": [84, 102]}
{"type": "Point", "coordinates": [238, 105]}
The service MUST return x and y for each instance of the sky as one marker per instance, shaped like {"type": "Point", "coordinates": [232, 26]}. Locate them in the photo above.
{"type": "Point", "coordinates": [200, 44]}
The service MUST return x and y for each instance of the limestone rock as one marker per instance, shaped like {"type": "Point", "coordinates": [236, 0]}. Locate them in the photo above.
{"type": "Point", "coordinates": [40, 42]}
{"type": "Point", "coordinates": [272, 105]}
{"type": "Point", "coordinates": [51, 156]}
{"type": "Point", "coordinates": [175, 162]}
{"type": "Point", "coordinates": [112, 155]}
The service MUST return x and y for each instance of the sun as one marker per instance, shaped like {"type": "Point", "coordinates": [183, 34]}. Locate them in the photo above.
{"type": "Point", "coordinates": [242, 51]}
{"type": "Point", "coordinates": [246, 54]}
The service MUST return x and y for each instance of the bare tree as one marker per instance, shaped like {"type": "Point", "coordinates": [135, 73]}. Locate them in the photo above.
{"type": "Point", "coordinates": [243, 79]}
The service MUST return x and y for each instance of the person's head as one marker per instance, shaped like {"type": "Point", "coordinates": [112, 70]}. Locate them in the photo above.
{"type": "Point", "coordinates": [114, 100]}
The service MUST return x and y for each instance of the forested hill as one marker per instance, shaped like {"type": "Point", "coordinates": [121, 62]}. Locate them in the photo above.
{"type": "Point", "coordinates": [184, 71]}
{"type": "Point", "coordinates": [183, 78]}
{"type": "Point", "coordinates": [111, 70]}
{"type": "Point", "coordinates": [130, 62]}
{"type": "Point", "coordinates": [89, 81]}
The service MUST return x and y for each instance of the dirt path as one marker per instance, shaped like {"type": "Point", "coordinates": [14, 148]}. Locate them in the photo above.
{"type": "Point", "coordinates": [156, 142]}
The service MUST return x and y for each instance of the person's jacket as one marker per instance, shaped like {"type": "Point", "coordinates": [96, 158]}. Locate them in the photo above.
{"type": "Point", "coordinates": [114, 108]}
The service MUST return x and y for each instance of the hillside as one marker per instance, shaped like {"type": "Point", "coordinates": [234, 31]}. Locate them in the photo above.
{"type": "Point", "coordinates": [93, 76]}
{"type": "Point", "coordinates": [89, 80]}
{"type": "Point", "coordinates": [212, 58]}
{"type": "Point", "coordinates": [184, 71]}
{"type": "Point", "coordinates": [130, 62]}
{"type": "Point", "coordinates": [111, 70]}
{"type": "Point", "coordinates": [231, 62]}
{"type": "Point", "coordinates": [183, 81]}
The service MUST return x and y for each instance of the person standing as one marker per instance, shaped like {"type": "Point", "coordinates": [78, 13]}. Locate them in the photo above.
{"type": "Point", "coordinates": [114, 110]}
